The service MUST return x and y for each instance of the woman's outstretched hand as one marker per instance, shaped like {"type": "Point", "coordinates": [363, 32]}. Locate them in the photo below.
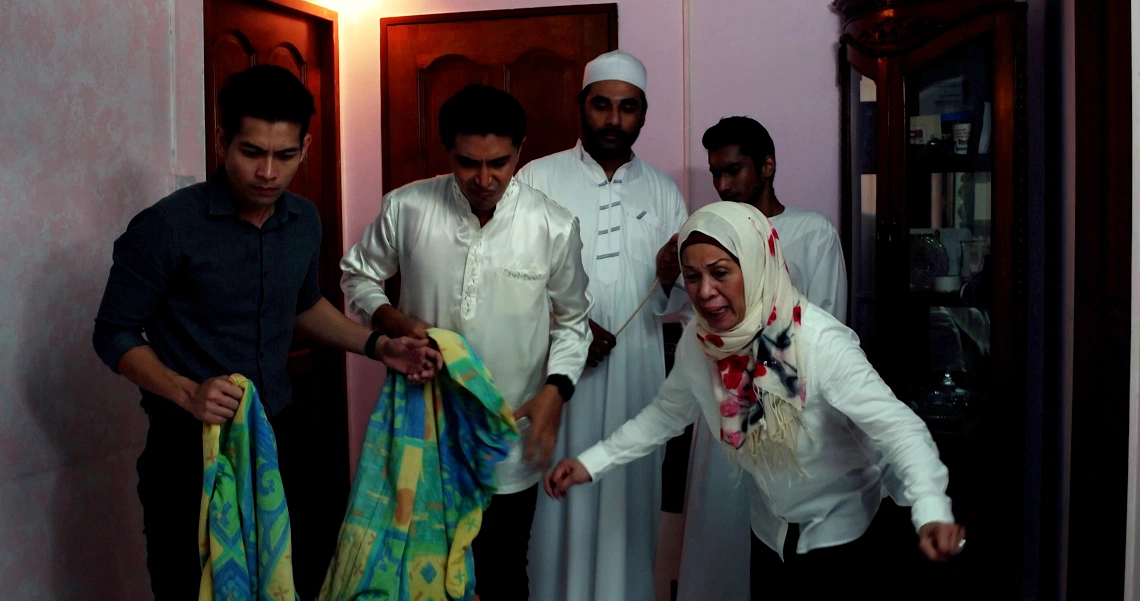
{"type": "Point", "coordinates": [568, 473]}
{"type": "Point", "coordinates": [940, 541]}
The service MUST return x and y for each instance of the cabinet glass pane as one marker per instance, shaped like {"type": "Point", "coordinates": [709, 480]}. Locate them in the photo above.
{"type": "Point", "coordinates": [863, 194]}
{"type": "Point", "coordinates": [947, 310]}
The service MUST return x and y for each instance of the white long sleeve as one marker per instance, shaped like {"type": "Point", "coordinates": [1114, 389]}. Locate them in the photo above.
{"type": "Point", "coordinates": [570, 308]}
{"type": "Point", "coordinates": [369, 263]}
{"type": "Point", "coordinates": [852, 386]}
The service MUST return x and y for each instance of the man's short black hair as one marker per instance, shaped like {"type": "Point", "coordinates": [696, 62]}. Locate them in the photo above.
{"type": "Point", "coordinates": [479, 110]}
{"type": "Point", "coordinates": [266, 92]}
{"type": "Point", "coordinates": [753, 139]}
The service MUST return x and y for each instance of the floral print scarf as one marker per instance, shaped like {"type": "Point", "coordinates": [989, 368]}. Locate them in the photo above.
{"type": "Point", "coordinates": [758, 362]}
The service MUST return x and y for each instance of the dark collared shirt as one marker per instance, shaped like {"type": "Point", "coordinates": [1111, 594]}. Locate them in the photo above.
{"type": "Point", "coordinates": [213, 294]}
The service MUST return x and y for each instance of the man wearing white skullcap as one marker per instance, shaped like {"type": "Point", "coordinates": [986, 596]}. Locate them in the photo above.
{"type": "Point", "coordinates": [615, 66]}
{"type": "Point", "coordinates": [600, 544]}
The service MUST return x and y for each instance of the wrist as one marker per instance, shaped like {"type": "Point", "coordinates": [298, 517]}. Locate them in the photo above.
{"type": "Point", "coordinates": [184, 389]}
{"type": "Point", "coordinates": [376, 341]}
{"type": "Point", "coordinates": [931, 509]}
{"type": "Point", "coordinates": [384, 319]}
{"type": "Point", "coordinates": [561, 386]}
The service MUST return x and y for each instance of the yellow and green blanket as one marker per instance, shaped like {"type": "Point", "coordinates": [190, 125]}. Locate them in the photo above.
{"type": "Point", "coordinates": [425, 475]}
{"type": "Point", "coordinates": [243, 531]}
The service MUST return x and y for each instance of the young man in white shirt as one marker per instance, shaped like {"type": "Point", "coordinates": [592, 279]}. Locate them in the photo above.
{"type": "Point", "coordinates": [600, 544]}
{"type": "Point", "coordinates": [496, 261]}
{"type": "Point", "coordinates": [742, 161]}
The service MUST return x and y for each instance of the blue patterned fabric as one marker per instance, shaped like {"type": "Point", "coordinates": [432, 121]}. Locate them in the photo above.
{"type": "Point", "coordinates": [426, 473]}
{"type": "Point", "coordinates": [243, 533]}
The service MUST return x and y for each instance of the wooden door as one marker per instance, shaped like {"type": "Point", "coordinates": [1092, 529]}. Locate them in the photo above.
{"type": "Point", "coordinates": [302, 38]}
{"type": "Point", "coordinates": [536, 54]}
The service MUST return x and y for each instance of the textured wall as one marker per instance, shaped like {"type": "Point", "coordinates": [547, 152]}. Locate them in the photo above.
{"type": "Point", "coordinates": [89, 135]}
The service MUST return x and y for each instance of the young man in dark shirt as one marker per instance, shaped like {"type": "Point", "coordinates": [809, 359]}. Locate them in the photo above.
{"type": "Point", "coordinates": [218, 276]}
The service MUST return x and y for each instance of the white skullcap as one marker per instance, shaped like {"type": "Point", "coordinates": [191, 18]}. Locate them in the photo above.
{"type": "Point", "coordinates": [616, 65]}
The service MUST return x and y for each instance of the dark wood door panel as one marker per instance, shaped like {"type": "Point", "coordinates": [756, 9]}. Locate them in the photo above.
{"type": "Point", "coordinates": [537, 55]}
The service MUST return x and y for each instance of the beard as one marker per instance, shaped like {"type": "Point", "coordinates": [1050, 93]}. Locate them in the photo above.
{"type": "Point", "coordinates": [618, 147]}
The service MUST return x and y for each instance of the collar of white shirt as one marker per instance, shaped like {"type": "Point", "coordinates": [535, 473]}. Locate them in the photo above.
{"type": "Point", "coordinates": [624, 174]}
{"type": "Point", "coordinates": [506, 203]}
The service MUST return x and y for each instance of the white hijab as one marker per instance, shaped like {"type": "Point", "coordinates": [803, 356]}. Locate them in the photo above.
{"type": "Point", "coordinates": [758, 361]}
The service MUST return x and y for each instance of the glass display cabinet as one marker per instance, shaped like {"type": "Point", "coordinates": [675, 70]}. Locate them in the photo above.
{"type": "Point", "coordinates": [935, 235]}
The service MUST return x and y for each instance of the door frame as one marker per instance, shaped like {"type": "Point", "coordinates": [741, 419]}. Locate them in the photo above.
{"type": "Point", "coordinates": [1100, 418]}
{"type": "Point", "coordinates": [610, 10]}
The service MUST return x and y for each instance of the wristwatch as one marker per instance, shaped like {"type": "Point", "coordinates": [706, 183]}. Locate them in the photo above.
{"type": "Point", "coordinates": [370, 346]}
{"type": "Point", "coordinates": [563, 384]}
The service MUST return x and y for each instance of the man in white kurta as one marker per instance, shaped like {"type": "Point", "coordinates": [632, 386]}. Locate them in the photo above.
{"type": "Point", "coordinates": [716, 547]}
{"type": "Point", "coordinates": [599, 545]}
{"type": "Point", "coordinates": [498, 262]}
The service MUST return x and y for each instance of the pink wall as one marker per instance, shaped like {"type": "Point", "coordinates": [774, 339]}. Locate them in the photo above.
{"type": "Point", "coordinates": [651, 29]}
{"type": "Point", "coordinates": [88, 136]}
{"type": "Point", "coordinates": [777, 65]}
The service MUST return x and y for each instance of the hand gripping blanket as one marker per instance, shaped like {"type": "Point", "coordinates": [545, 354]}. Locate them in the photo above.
{"type": "Point", "coordinates": [425, 475]}
{"type": "Point", "coordinates": [243, 531]}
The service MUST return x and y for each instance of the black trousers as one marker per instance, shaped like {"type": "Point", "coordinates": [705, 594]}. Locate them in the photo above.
{"type": "Point", "coordinates": [879, 565]}
{"type": "Point", "coordinates": [170, 489]}
{"type": "Point", "coordinates": [501, 547]}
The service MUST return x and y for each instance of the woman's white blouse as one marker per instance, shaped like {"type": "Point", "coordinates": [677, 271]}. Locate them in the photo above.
{"type": "Point", "coordinates": [852, 420]}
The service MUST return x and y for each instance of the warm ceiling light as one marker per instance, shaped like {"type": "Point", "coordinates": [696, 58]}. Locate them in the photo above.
{"type": "Point", "coordinates": [348, 8]}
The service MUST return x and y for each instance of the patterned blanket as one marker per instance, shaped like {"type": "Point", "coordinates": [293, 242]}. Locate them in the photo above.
{"type": "Point", "coordinates": [425, 475]}
{"type": "Point", "coordinates": [243, 531]}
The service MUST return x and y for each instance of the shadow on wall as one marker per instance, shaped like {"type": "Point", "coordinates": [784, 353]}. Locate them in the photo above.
{"type": "Point", "coordinates": [701, 190]}
{"type": "Point", "coordinates": [89, 419]}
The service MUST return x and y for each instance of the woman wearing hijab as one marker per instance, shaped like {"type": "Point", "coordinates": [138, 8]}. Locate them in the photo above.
{"type": "Point", "coordinates": [796, 405]}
